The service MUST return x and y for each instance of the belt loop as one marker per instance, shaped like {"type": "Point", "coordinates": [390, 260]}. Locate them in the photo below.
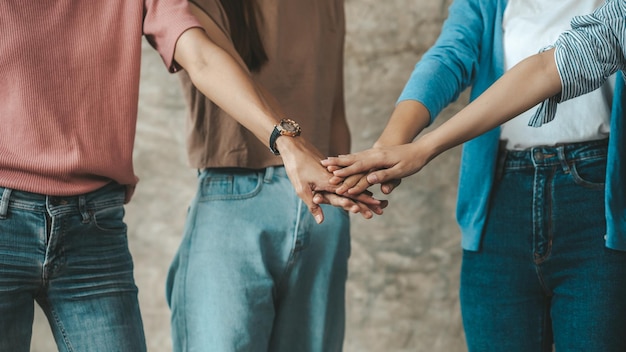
{"type": "Point", "coordinates": [563, 159]}
{"type": "Point", "coordinates": [269, 174]}
{"type": "Point", "coordinates": [4, 203]}
{"type": "Point", "coordinates": [82, 207]}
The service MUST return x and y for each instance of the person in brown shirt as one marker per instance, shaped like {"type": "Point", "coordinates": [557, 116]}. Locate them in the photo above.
{"type": "Point", "coordinates": [254, 272]}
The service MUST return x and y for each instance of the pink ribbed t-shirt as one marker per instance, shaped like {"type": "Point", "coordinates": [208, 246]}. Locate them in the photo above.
{"type": "Point", "coordinates": [69, 83]}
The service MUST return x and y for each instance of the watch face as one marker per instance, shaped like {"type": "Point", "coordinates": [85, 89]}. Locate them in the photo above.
{"type": "Point", "coordinates": [290, 126]}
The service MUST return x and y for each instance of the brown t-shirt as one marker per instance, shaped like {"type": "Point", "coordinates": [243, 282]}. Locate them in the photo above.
{"type": "Point", "coordinates": [304, 42]}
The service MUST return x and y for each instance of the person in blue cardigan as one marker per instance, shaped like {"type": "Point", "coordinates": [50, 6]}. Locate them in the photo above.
{"type": "Point", "coordinates": [542, 210]}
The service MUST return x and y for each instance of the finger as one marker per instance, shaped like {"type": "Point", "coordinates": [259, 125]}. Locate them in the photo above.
{"type": "Point", "coordinates": [341, 160]}
{"type": "Point", "coordinates": [335, 180]}
{"type": "Point", "coordinates": [360, 187]}
{"type": "Point", "coordinates": [368, 209]}
{"type": "Point", "coordinates": [316, 211]}
{"type": "Point", "coordinates": [350, 182]}
{"type": "Point", "coordinates": [350, 205]}
{"type": "Point", "coordinates": [319, 199]}
{"type": "Point", "coordinates": [346, 204]}
{"type": "Point", "coordinates": [352, 169]}
{"type": "Point", "coordinates": [353, 206]}
{"type": "Point", "coordinates": [380, 176]}
{"type": "Point", "coordinates": [388, 187]}
{"type": "Point", "coordinates": [365, 211]}
{"type": "Point", "coordinates": [378, 208]}
{"type": "Point", "coordinates": [395, 172]}
{"type": "Point", "coordinates": [365, 197]}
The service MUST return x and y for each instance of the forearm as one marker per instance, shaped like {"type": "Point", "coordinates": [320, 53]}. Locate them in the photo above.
{"type": "Point", "coordinates": [408, 119]}
{"type": "Point", "coordinates": [222, 79]}
{"type": "Point", "coordinates": [525, 85]}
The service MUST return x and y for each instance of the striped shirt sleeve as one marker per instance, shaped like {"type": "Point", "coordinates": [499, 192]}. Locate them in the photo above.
{"type": "Point", "coordinates": [587, 55]}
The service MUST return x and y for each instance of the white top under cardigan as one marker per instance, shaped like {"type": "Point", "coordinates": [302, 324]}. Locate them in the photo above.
{"type": "Point", "coordinates": [529, 26]}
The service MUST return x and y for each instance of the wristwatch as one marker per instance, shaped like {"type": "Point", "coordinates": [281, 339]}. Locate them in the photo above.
{"type": "Point", "coordinates": [286, 127]}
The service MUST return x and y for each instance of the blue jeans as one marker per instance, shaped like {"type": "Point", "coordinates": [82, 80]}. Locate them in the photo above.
{"type": "Point", "coordinates": [543, 275]}
{"type": "Point", "coordinates": [70, 255]}
{"type": "Point", "coordinates": [254, 272]}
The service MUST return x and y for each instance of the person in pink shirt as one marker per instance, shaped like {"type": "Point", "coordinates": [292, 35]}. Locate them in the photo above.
{"type": "Point", "coordinates": [69, 81]}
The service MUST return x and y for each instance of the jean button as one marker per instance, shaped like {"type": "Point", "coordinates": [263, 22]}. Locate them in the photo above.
{"type": "Point", "coordinates": [538, 155]}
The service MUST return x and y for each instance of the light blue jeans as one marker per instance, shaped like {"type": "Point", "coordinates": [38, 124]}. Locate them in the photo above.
{"type": "Point", "coordinates": [254, 272]}
{"type": "Point", "coordinates": [543, 275]}
{"type": "Point", "coordinates": [70, 255]}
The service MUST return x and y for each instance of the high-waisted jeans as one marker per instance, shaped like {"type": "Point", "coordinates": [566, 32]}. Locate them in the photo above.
{"type": "Point", "coordinates": [70, 255]}
{"type": "Point", "coordinates": [254, 272]}
{"type": "Point", "coordinates": [543, 275]}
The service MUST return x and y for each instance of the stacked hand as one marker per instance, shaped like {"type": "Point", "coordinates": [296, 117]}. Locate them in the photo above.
{"type": "Point", "coordinates": [355, 173]}
{"type": "Point", "coordinates": [312, 182]}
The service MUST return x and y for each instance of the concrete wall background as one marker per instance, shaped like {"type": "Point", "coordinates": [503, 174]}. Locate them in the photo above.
{"type": "Point", "coordinates": [404, 270]}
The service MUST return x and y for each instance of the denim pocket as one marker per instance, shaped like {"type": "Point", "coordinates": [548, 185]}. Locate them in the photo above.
{"type": "Point", "coordinates": [231, 185]}
{"type": "Point", "coordinates": [110, 219]}
{"type": "Point", "coordinates": [590, 172]}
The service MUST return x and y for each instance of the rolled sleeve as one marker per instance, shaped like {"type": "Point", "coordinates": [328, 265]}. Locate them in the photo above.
{"type": "Point", "coordinates": [586, 56]}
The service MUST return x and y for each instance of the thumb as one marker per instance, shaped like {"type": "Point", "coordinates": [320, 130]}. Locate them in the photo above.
{"type": "Point", "coordinates": [376, 177]}
{"type": "Point", "coordinates": [317, 212]}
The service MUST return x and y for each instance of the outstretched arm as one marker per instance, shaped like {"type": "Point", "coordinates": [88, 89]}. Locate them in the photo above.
{"type": "Point", "coordinates": [586, 56]}
{"type": "Point", "coordinates": [408, 120]}
{"type": "Point", "coordinates": [528, 83]}
{"type": "Point", "coordinates": [221, 76]}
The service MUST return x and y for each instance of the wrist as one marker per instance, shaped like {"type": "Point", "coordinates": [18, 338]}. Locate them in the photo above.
{"type": "Point", "coordinates": [286, 127]}
{"type": "Point", "coordinates": [428, 146]}
{"type": "Point", "coordinates": [285, 145]}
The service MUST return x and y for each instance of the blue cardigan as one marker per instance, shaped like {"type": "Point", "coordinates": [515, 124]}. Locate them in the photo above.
{"type": "Point", "coordinates": [469, 52]}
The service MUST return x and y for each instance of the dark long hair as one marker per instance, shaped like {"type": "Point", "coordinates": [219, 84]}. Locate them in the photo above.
{"type": "Point", "coordinates": [244, 31]}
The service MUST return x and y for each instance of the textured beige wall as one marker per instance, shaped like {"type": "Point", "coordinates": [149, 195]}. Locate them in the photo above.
{"type": "Point", "coordinates": [404, 269]}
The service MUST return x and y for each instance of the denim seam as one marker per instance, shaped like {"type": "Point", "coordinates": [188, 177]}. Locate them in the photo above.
{"type": "Point", "coordinates": [192, 233]}
{"type": "Point", "coordinates": [61, 328]}
{"type": "Point", "coordinates": [599, 186]}
{"type": "Point", "coordinates": [541, 232]}
{"type": "Point", "coordinates": [293, 253]}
